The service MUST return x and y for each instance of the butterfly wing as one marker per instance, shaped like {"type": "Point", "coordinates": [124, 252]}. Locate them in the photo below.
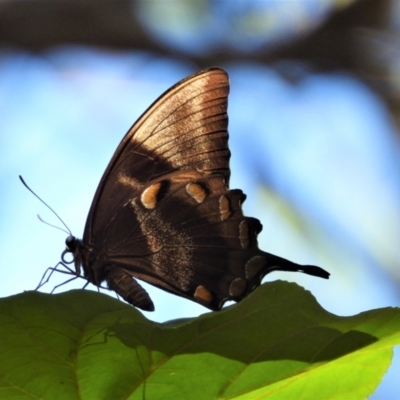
{"type": "Point", "coordinates": [183, 130]}
{"type": "Point", "coordinates": [163, 211]}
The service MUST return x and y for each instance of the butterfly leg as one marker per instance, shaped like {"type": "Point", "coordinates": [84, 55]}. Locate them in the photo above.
{"type": "Point", "coordinates": [43, 281]}
{"type": "Point", "coordinates": [62, 284]}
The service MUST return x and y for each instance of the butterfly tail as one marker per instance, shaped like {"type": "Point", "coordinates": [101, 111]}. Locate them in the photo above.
{"type": "Point", "coordinates": [276, 263]}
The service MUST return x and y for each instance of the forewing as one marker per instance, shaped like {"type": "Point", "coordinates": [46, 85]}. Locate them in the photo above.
{"type": "Point", "coordinates": [185, 129]}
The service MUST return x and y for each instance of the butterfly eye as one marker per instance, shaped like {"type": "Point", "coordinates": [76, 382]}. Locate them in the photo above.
{"type": "Point", "coordinates": [70, 242]}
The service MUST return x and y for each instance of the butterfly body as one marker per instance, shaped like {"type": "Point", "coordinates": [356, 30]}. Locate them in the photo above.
{"type": "Point", "coordinates": [163, 211]}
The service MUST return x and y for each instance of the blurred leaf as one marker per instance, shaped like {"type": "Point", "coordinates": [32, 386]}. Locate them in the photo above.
{"type": "Point", "coordinates": [277, 342]}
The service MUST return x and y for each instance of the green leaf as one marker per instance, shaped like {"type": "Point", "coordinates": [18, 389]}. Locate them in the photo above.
{"type": "Point", "coordinates": [277, 343]}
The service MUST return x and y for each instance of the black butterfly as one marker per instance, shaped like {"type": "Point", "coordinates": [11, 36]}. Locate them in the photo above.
{"type": "Point", "coordinates": [163, 211]}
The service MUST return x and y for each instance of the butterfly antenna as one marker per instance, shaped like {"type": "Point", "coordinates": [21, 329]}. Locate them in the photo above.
{"type": "Point", "coordinates": [54, 226]}
{"type": "Point", "coordinates": [24, 183]}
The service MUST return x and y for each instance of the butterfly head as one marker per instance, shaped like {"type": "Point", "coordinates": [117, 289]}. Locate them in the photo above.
{"type": "Point", "coordinates": [70, 243]}
{"type": "Point", "coordinates": [73, 245]}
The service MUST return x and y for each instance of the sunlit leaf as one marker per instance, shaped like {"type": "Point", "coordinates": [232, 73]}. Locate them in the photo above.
{"type": "Point", "coordinates": [278, 342]}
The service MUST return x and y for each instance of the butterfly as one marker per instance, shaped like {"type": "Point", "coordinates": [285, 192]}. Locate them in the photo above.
{"type": "Point", "coordinates": [163, 211]}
